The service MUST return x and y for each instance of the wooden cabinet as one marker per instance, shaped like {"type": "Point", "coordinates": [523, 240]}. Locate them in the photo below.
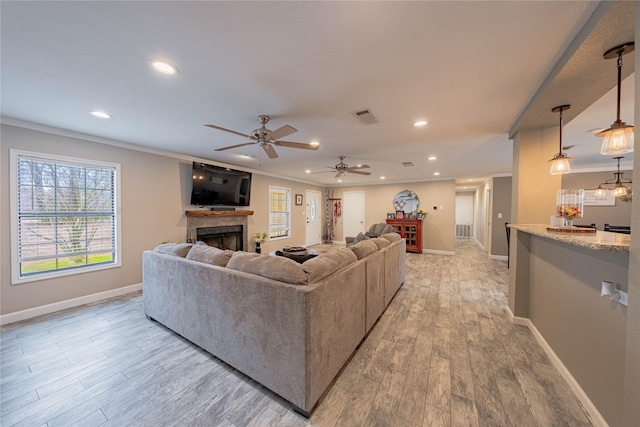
{"type": "Point", "coordinates": [411, 231]}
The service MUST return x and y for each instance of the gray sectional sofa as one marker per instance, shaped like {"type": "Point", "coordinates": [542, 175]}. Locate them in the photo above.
{"type": "Point", "coordinates": [289, 326]}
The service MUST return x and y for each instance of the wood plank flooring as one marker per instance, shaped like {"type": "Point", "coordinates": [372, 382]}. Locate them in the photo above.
{"type": "Point", "coordinates": [443, 354]}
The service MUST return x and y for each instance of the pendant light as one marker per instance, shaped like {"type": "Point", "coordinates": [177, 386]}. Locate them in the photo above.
{"type": "Point", "coordinates": [618, 139]}
{"type": "Point", "coordinates": [619, 189]}
{"type": "Point", "coordinates": [560, 162]}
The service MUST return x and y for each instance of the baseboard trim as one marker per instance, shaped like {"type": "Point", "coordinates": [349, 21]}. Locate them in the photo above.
{"type": "Point", "coordinates": [499, 257]}
{"type": "Point", "coordinates": [437, 252]}
{"type": "Point", "coordinates": [594, 415]}
{"type": "Point", "coordinates": [63, 305]}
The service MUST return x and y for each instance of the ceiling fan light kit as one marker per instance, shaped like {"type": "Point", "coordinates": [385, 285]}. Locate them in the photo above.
{"type": "Point", "coordinates": [266, 138]}
{"type": "Point", "coordinates": [560, 162]}
{"type": "Point", "coordinates": [618, 138]}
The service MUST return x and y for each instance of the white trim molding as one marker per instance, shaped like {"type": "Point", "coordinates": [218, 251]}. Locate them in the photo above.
{"type": "Point", "coordinates": [499, 257]}
{"type": "Point", "coordinates": [592, 411]}
{"type": "Point", "coordinates": [70, 303]}
{"type": "Point", "coordinates": [437, 252]}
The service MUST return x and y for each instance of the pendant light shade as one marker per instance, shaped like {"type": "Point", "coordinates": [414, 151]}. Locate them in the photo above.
{"type": "Point", "coordinates": [618, 139]}
{"type": "Point", "coordinates": [560, 162]}
{"type": "Point", "coordinates": [600, 192]}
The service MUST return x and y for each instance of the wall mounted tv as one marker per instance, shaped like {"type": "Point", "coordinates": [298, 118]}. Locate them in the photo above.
{"type": "Point", "coordinates": [218, 186]}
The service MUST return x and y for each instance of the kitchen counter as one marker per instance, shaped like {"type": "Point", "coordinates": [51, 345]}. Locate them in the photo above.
{"type": "Point", "coordinates": [599, 241]}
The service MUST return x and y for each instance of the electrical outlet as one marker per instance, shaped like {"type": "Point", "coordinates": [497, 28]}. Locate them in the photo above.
{"type": "Point", "coordinates": [499, 215]}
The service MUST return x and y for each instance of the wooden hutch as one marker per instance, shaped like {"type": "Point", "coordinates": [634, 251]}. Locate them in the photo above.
{"type": "Point", "coordinates": [411, 231]}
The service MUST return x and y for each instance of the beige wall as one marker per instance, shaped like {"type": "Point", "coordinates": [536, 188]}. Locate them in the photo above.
{"type": "Point", "coordinates": [620, 214]}
{"type": "Point", "coordinates": [438, 228]}
{"type": "Point", "coordinates": [533, 187]}
{"type": "Point", "coordinates": [155, 192]}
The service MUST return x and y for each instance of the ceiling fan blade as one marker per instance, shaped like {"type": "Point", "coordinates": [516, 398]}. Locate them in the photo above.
{"type": "Point", "coordinates": [281, 132]}
{"type": "Point", "coordinates": [358, 172]}
{"type": "Point", "coordinates": [296, 145]}
{"type": "Point", "coordinates": [324, 171]}
{"type": "Point", "coordinates": [358, 167]}
{"type": "Point", "coordinates": [227, 130]}
{"type": "Point", "coordinates": [271, 153]}
{"type": "Point", "coordinates": [339, 174]}
{"type": "Point", "coordinates": [234, 146]}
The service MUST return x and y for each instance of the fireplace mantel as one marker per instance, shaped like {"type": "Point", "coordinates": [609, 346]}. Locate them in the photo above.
{"type": "Point", "coordinates": [203, 213]}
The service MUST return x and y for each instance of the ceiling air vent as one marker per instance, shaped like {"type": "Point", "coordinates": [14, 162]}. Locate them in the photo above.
{"type": "Point", "coordinates": [407, 164]}
{"type": "Point", "coordinates": [365, 116]}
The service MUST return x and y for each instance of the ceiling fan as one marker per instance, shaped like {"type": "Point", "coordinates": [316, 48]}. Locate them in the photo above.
{"type": "Point", "coordinates": [343, 168]}
{"type": "Point", "coordinates": [267, 138]}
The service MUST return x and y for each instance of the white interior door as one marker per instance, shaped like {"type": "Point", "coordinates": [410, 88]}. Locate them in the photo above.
{"type": "Point", "coordinates": [352, 213]}
{"type": "Point", "coordinates": [314, 218]}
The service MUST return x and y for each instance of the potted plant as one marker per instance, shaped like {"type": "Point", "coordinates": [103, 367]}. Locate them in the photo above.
{"type": "Point", "coordinates": [258, 239]}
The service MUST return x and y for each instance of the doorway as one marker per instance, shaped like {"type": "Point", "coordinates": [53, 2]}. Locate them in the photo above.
{"type": "Point", "coordinates": [314, 222]}
{"type": "Point", "coordinates": [353, 207]}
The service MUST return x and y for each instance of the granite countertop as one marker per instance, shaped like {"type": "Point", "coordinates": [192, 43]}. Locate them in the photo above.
{"type": "Point", "coordinates": [599, 241]}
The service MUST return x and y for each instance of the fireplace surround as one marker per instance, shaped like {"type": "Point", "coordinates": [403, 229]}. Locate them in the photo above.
{"type": "Point", "coordinates": [219, 228]}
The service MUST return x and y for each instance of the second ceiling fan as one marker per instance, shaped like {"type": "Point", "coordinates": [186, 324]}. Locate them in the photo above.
{"type": "Point", "coordinates": [343, 168]}
{"type": "Point", "coordinates": [267, 138]}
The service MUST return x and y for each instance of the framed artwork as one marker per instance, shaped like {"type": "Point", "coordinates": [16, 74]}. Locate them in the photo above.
{"type": "Point", "coordinates": [391, 215]}
{"type": "Point", "coordinates": [298, 199]}
{"type": "Point", "coordinates": [399, 215]}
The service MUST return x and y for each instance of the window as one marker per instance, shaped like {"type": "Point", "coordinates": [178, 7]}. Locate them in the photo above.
{"type": "Point", "coordinates": [279, 212]}
{"type": "Point", "coordinates": [63, 215]}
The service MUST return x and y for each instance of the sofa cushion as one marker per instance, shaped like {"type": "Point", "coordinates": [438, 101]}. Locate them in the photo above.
{"type": "Point", "coordinates": [392, 237]}
{"type": "Point", "coordinates": [381, 242]}
{"type": "Point", "coordinates": [327, 263]}
{"type": "Point", "coordinates": [271, 267]}
{"type": "Point", "coordinates": [364, 248]}
{"type": "Point", "coordinates": [210, 255]}
{"type": "Point", "coordinates": [176, 249]}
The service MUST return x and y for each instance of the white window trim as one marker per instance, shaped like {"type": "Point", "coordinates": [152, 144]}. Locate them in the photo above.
{"type": "Point", "coordinates": [288, 236]}
{"type": "Point", "coordinates": [13, 197]}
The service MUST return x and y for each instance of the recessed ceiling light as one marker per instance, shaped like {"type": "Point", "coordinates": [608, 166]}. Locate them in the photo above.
{"type": "Point", "coordinates": [383, 177]}
{"type": "Point", "coordinates": [314, 143]}
{"type": "Point", "coordinates": [247, 156]}
{"type": "Point", "coordinates": [432, 158]}
{"type": "Point", "coordinates": [339, 180]}
{"type": "Point", "coordinates": [436, 173]}
{"type": "Point", "coordinates": [465, 187]}
{"type": "Point", "coordinates": [307, 171]}
{"type": "Point", "coordinates": [470, 180]}
{"type": "Point", "coordinates": [101, 114]}
{"type": "Point", "coordinates": [420, 123]}
{"type": "Point", "coordinates": [163, 67]}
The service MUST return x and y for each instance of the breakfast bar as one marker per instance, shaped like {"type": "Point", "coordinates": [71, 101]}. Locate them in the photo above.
{"type": "Point", "coordinates": [555, 284]}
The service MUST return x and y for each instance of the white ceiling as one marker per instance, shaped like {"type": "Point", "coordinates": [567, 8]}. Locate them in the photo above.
{"type": "Point", "coordinates": [469, 68]}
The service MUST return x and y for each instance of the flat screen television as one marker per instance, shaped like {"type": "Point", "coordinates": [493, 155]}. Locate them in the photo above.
{"type": "Point", "coordinates": [218, 186]}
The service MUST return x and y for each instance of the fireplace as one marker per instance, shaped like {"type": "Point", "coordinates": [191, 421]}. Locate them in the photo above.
{"type": "Point", "coordinates": [207, 226]}
{"type": "Point", "coordinates": [223, 237]}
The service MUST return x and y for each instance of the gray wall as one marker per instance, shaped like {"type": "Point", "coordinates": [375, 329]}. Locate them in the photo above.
{"type": "Point", "coordinates": [558, 289]}
{"type": "Point", "coordinates": [501, 205]}
{"type": "Point", "coordinates": [620, 214]}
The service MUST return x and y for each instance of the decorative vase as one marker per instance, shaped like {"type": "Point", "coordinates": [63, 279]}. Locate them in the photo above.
{"type": "Point", "coordinates": [258, 249]}
{"type": "Point", "coordinates": [569, 205]}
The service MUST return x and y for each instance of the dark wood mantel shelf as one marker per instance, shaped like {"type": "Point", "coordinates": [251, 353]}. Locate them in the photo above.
{"type": "Point", "coordinates": [202, 213]}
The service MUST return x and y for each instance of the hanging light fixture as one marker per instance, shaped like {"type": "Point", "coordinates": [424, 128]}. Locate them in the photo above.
{"type": "Point", "coordinates": [618, 139]}
{"type": "Point", "coordinates": [560, 162]}
{"type": "Point", "coordinates": [619, 189]}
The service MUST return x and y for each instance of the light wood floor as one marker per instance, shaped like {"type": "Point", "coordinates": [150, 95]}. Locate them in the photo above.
{"type": "Point", "coordinates": [443, 354]}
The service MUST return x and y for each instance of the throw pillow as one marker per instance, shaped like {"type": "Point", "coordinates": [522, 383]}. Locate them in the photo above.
{"type": "Point", "coordinates": [176, 249]}
{"type": "Point", "coordinates": [360, 237]}
{"type": "Point", "coordinates": [210, 255]}
{"type": "Point", "coordinates": [271, 267]}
